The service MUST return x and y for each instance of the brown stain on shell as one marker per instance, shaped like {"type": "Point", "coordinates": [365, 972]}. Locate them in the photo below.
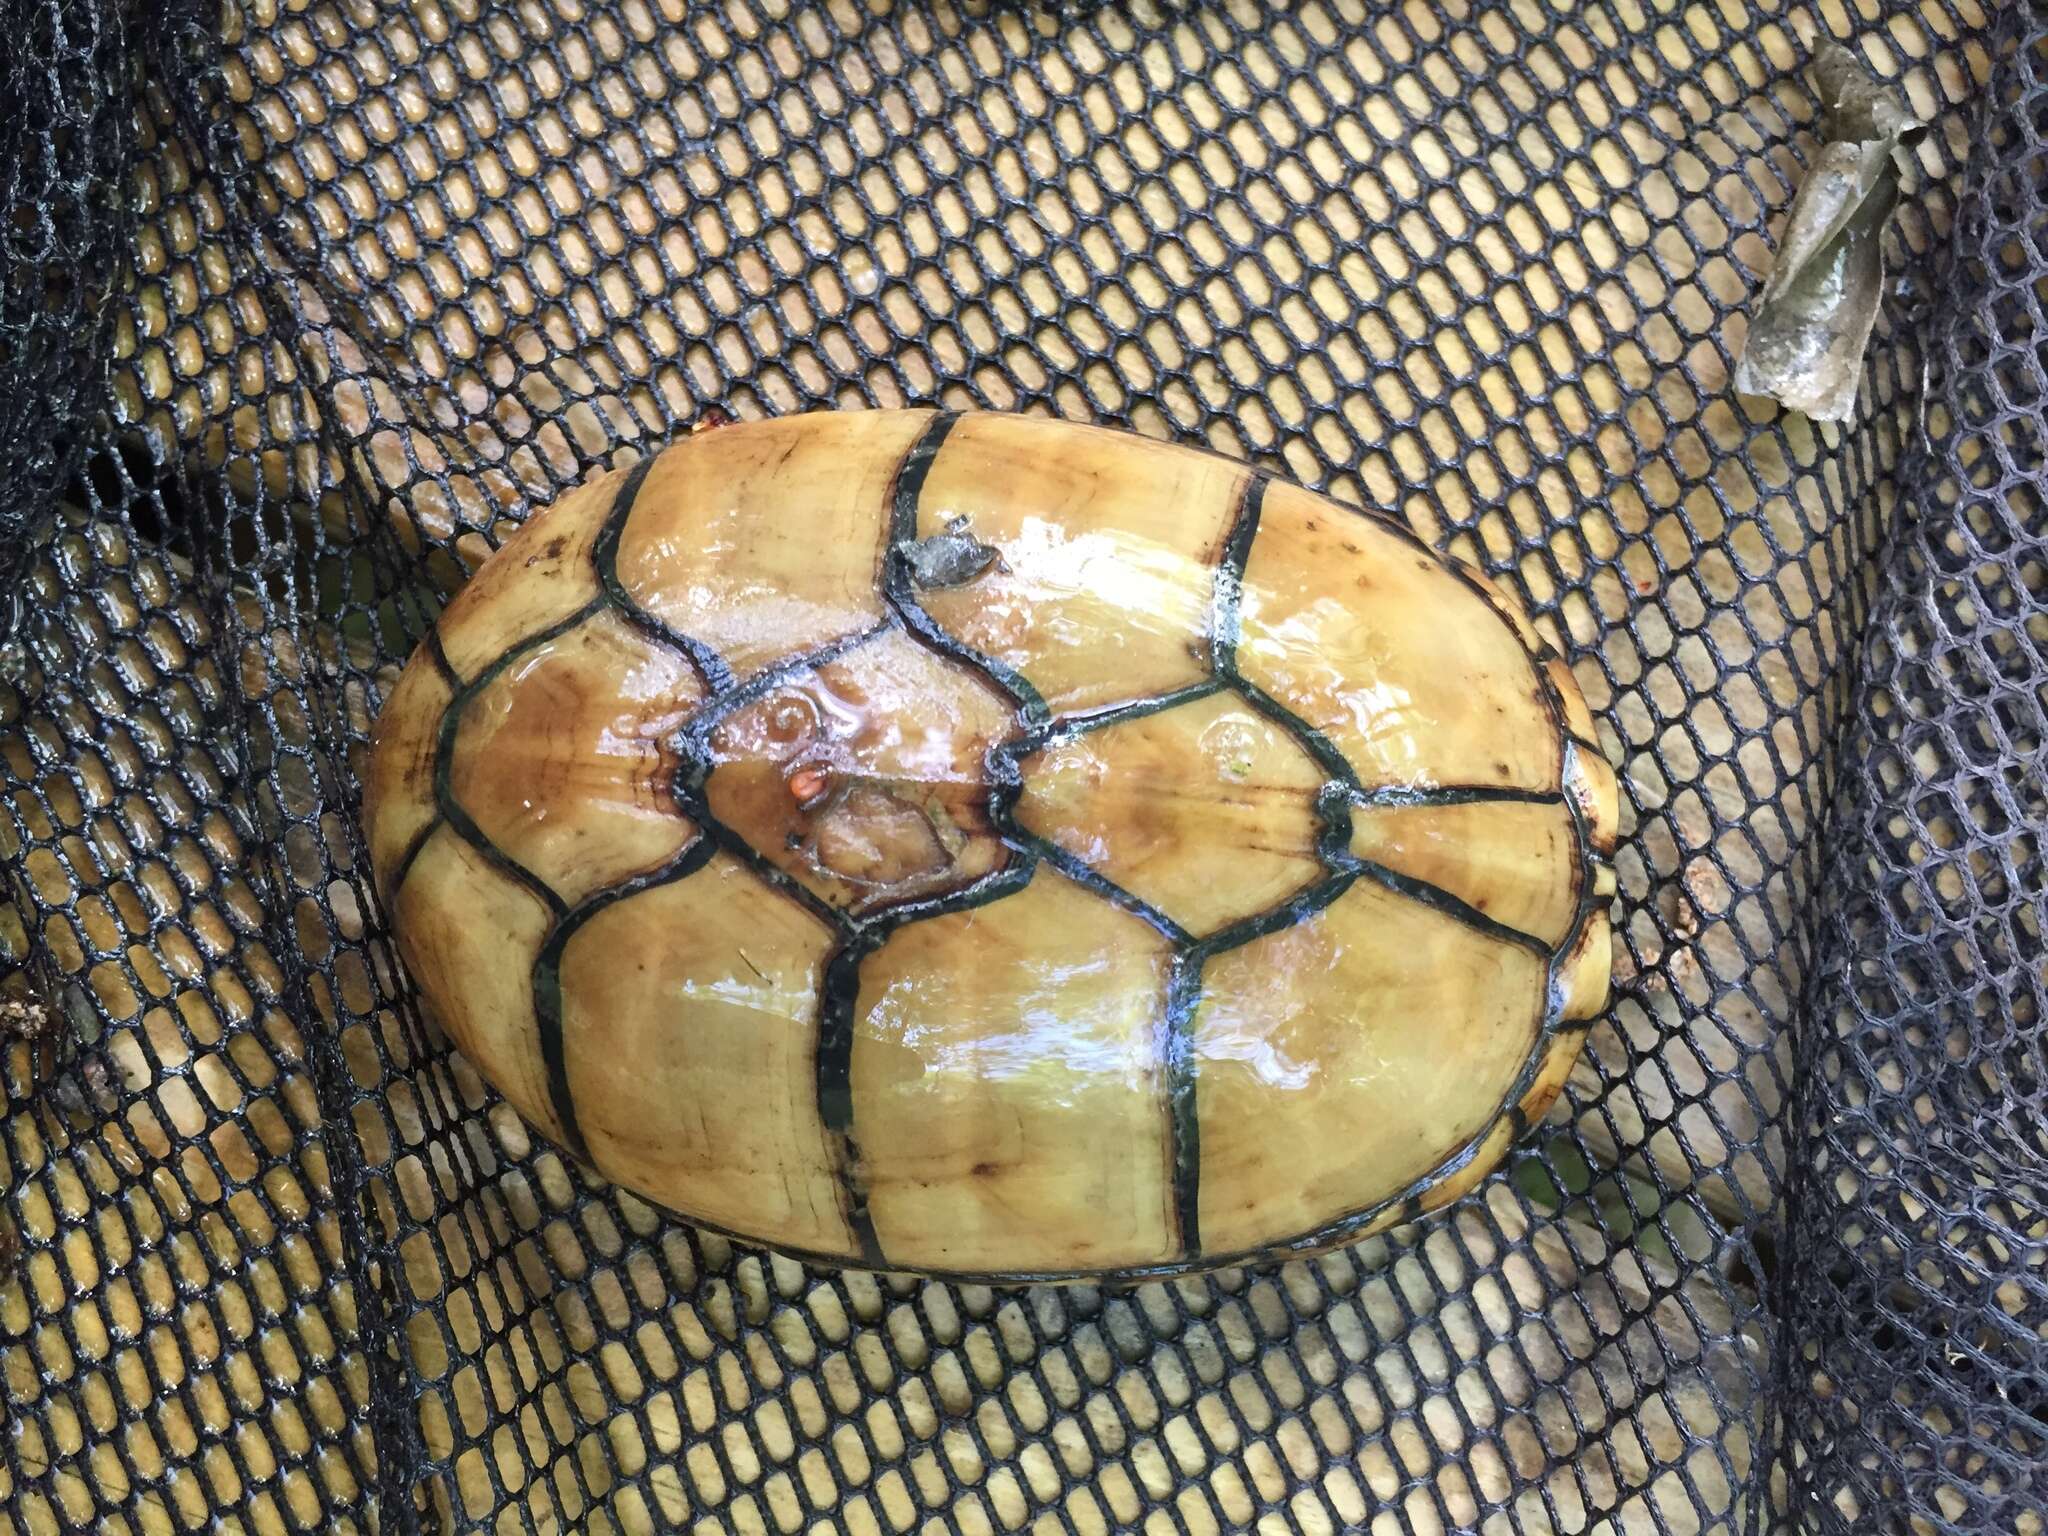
{"type": "Point", "coordinates": [862, 777]}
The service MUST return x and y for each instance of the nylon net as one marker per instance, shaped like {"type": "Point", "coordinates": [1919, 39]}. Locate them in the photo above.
{"type": "Point", "coordinates": [306, 306]}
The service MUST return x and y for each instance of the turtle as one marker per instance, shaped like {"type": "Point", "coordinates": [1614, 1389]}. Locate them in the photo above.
{"type": "Point", "coordinates": [998, 848]}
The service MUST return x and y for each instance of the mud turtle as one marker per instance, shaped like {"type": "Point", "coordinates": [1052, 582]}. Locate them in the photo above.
{"type": "Point", "coordinates": [983, 845]}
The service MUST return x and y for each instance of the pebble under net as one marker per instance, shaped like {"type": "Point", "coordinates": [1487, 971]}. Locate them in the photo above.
{"type": "Point", "coordinates": [305, 307]}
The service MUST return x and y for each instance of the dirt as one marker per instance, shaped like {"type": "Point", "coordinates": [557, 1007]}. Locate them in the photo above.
{"type": "Point", "coordinates": [25, 1020]}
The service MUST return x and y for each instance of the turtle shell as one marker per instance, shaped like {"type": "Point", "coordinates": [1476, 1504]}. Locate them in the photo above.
{"type": "Point", "coordinates": [983, 845]}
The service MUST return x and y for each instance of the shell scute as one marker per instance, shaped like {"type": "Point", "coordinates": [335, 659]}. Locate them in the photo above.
{"type": "Point", "coordinates": [1338, 1028]}
{"type": "Point", "coordinates": [864, 777]}
{"type": "Point", "coordinates": [763, 543]}
{"type": "Point", "coordinates": [1101, 587]}
{"type": "Point", "coordinates": [398, 780]}
{"type": "Point", "coordinates": [472, 936]}
{"type": "Point", "coordinates": [689, 1019]}
{"type": "Point", "coordinates": [1007, 1077]}
{"type": "Point", "coordinates": [1416, 680]}
{"type": "Point", "coordinates": [560, 754]}
{"type": "Point", "coordinates": [1205, 811]}
{"type": "Point", "coordinates": [542, 576]}
{"type": "Point", "coordinates": [1514, 860]}
{"type": "Point", "coordinates": [1591, 785]}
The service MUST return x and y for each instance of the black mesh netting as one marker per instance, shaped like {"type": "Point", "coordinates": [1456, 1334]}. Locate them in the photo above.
{"type": "Point", "coordinates": [302, 306]}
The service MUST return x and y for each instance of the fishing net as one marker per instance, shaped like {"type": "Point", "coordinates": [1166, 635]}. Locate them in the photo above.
{"type": "Point", "coordinates": [303, 307]}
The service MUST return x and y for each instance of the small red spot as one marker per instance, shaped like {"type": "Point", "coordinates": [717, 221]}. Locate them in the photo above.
{"type": "Point", "coordinates": [806, 784]}
{"type": "Point", "coordinates": [710, 418]}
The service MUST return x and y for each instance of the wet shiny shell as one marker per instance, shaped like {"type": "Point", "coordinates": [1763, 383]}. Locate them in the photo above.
{"type": "Point", "coordinates": [990, 846]}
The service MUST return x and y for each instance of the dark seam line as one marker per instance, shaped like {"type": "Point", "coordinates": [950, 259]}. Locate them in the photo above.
{"type": "Point", "coordinates": [439, 653]}
{"type": "Point", "coordinates": [547, 976]}
{"type": "Point", "coordinates": [465, 827]}
{"type": "Point", "coordinates": [1183, 1108]}
{"type": "Point", "coordinates": [1334, 806]}
{"type": "Point", "coordinates": [698, 809]}
{"type": "Point", "coordinates": [993, 886]}
{"type": "Point", "coordinates": [835, 1048]}
{"type": "Point", "coordinates": [405, 861]}
{"type": "Point", "coordinates": [1550, 1023]}
{"type": "Point", "coordinates": [1437, 899]}
{"type": "Point", "coordinates": [839, 981]}
{"type": "Point", "coordinates": [1006, 784]}
{"type": "Point", "coordinates": [1184, 985]}
{"type": "Point", "coordinates": [1227, 592]}
{"type": "Point", "coordinates": [1334, 829]}
{"type": "Point", "coordinates": [858, 938]}
{"type": "Point", "coordinates": [1184, 981]}
{"type": "Point", "coordinates": [1334, 799]}
{"type": "Point", "coordinates": [1083, 722]}
{"type": "Point", "coordinates": [838, 995]}
{"type": "Point", "coordinates": [1456, 794]}
{"type": "Point", "coordinates": [1324, 1237]}
{"type": "Point", "coordinates": [1549, 1027]}
{"type": "Point", "coordinates": [1586, 855]}
{"type": "Point", "coordinates": [1091, 880]}
{"type": "Point", "coordinates": [1184, 996]}
{"type": "Point", "coordinates": [1408, 1201]}
{"type": "Point", "coordinates": [696, 763]}
{"type": "Point", "coordinates": [717, 677]}
{"type": "Point", "coordinates": [1336, 767]}
{"type": "Point", "coordinates": [1304, 904]}
{"type": "Point", "coordinates": [451, 809]}
{"type": "Point", "coordinates": [695, 737]}
{"type": "Point", "coordinates": [896, 583]}
{"type": "Point", "coordinates": [1334, 803]}
{"type": "Point", "coordinates": [1108, 890]}
{"type": "Point", "coordinates": [1325, 752]}
{"type": "Point", "coordinates": [861, 938]}
{"type": "Point", "coordinates": [839, 984]}
{"type": "Point", "coordinates": [695, 804]}
{"type": "Point", "coordinates": [1590, 901]}
{"type": "Point", "coordinates": [1540, 655]}
{"type": "Point", "coordinates": [712, 669]}
{"type": "Point", "coordinates": [1373, 511]}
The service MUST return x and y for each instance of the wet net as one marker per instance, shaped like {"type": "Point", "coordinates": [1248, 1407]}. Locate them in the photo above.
{"type": "Point", "coordinates": [304, 307]}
